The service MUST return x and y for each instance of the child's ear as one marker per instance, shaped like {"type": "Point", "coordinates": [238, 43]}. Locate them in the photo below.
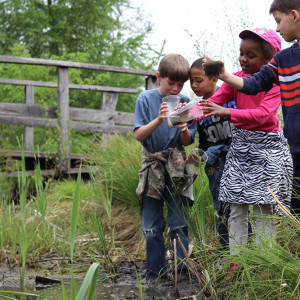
{"type": "Point", "coordinates": [158, 77]}
{"type": "Point", "coordinates": [214, 79]}
{"type": "Point", "coordinates": [296, 15]}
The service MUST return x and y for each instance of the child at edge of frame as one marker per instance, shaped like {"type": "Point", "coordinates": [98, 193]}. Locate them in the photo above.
{"type": "Point", "coordinates": [163, 177]}
{"type": "Point", "coordinates": [282, 70]}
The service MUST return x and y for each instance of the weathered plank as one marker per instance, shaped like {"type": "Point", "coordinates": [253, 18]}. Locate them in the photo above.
{"type": "Point", "coordinates": [71, 86]}
{"type": "Point", "coordinates": [68, 64]}
{"type": "Point", "coordinates": [29, 110]}
{"type": "Point", "coordinates": [76, 114]}
{"type": "Point", "coordinates": [51, 173]}
{"type": "Point", "coordinates": [38, 122]}
{"type": "Point", "coordinates": [16, 154]}
{"type": "Point", "coordinates": [19, 120]}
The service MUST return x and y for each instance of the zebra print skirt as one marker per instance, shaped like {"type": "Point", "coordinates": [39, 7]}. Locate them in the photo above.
{"type": "Point", "coordinates": [257, 160]}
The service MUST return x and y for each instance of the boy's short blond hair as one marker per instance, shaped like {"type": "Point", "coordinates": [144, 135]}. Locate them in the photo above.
{"type": "Point", "coordinates": [284, 6]}
{"type": "Point", "coordinates": [175, 67]}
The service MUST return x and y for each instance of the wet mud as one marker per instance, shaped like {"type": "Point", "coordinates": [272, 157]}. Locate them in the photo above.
{"type": "Point", "coordinates": [126, 285]}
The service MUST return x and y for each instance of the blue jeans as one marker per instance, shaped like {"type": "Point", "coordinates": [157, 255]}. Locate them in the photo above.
{"type": "Point", "coordinates": [154, 225]}
{"type": "Point", "coordinates": [214, 185]}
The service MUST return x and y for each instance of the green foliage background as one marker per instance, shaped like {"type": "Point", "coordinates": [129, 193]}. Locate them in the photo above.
{"type": "Point", "coordinates": [106, 32]}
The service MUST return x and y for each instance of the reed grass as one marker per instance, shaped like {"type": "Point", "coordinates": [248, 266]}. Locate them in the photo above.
{"type": "Point", "coordinates": [140, 284]}
{"type": "Point", "coordinates": [89, 283]}
{"type": "Point", "coordinates": [24, 237]}
{"type": "Point", "coordinates": [105, 245]}
{"type": "Point", "coordinates": [119, 156]}
{"type": "Point", "coordinates": [74, 216]}
{"type": "Point", "coordinates": [40, 200]}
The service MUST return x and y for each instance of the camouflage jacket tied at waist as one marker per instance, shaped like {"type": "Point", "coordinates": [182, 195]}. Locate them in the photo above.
{"type": "Point", "coordinates": [154, 166]}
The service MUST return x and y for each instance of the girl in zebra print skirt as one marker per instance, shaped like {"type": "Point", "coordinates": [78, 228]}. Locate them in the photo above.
{"type": "Point", "coordinates": [258, 157]}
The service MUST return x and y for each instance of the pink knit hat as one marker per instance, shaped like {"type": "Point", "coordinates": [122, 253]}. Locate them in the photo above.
{"type": "Point", "coordinates": [269, 35]}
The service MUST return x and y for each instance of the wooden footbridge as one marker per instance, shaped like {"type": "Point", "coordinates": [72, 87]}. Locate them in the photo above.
{"type": "Point", "coordinates": [105, 120]}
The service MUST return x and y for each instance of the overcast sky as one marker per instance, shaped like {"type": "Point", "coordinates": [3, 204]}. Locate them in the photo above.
{"type": "Point", "coordinates": [175, 21]}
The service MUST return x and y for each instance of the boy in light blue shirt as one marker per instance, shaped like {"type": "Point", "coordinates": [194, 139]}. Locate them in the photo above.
{"type": "Point", "coordinates": [163, 178]}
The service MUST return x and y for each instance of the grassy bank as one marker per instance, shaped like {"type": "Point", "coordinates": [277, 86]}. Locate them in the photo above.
{"type": "Point", "coordinates": [38, 224]}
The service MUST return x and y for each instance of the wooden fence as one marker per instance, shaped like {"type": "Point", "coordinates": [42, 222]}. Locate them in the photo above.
{"type": "Point", "coordinates": [105, 120]}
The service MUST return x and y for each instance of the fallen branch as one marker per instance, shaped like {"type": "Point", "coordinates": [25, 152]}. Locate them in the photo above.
{"type": "Point", "coordinates": [284, 210]}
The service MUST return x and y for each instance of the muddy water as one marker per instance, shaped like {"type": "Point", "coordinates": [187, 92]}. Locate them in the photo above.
{"type": "Point", "coordinates": [123, 287]}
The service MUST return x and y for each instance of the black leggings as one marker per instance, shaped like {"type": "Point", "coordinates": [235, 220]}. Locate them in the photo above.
{"type": "Point", "coordinates": [295, 202]}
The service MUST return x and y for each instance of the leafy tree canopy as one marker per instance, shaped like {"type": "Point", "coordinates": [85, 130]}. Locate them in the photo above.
{"type": "Point", "coordinates": [110, 31]}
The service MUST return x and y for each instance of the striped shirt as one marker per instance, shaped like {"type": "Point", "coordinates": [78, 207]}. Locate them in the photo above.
{"type": "Point", "coordinates": [283, 70]}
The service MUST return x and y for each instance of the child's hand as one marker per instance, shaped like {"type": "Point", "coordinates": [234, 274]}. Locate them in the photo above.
{"type": "Point", "coordinates": [180, 105]}
{"type": "Point", "coordinates": [163, 112]}
{"type": "Point", "coordinates": [192, 159]}
{"type": "Point", "coordinates": [212, 109]}
{"type": "Point", "coordinates": [221, 68]}
{"type": "Point", "coordinates": [183, 127]}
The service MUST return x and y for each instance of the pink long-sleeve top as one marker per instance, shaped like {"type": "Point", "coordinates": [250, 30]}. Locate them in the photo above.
{"type": "Point", "coordinates": [257, 113]}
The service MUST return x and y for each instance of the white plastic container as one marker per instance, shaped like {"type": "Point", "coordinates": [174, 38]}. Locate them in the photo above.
{"type": "Point", "coordinates": [185, 114]}
{"type": "Point", "coordinates": [172, 101]}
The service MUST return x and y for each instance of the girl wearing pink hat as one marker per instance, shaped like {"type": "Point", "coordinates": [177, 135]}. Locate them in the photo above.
{"type": "Point", "coordinates": [258, 157]}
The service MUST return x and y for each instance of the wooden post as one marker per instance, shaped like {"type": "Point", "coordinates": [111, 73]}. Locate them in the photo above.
{"type": "Point", "coordinates": [109, 103]}
{"type": "Point", "coordinates": [63, 119]}
{"type": "Point", "coordinates": [151, 82]}
{"type": "Point", "coordinates": [28, 130]}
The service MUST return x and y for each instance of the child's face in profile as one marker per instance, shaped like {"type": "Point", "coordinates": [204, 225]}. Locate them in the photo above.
{"type": "Point", "coordinates": [286, 25]}
{"type": "Point", "coordinates": [169, 87]}
{"type": "Point", "coordinates": [201, 84]}
{"type": "Point", "coordinates": [251, 56]}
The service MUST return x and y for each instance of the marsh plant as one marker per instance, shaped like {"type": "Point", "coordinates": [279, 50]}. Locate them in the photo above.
{"type": "Point", "coordinates": [118, 161]}
{"type": "Point", "coordinates": [88, 286]}
{"type": "Point", "coordinates": [26, 232]}
{"type": "Point", "coordinates": [105, 244]}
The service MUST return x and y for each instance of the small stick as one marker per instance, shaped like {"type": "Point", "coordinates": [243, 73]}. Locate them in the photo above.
{"type": "Point", "coordinates": [284, 210]}
{"type": "Point", "coordinates": [175, 274]}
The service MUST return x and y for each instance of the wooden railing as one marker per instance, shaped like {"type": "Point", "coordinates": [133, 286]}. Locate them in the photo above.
{"type": "Point", "coordinates": [105, 120]}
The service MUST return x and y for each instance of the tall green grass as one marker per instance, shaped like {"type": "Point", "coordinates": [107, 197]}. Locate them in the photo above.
{"type": "Point", "coordinates": [118, 160]}
{"type": "Point", "coordinates": [25, 237]}
{"type": "Point", "coordinates": [88, 285]}
{"type": "Point", "coordinates": [105, 244]}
